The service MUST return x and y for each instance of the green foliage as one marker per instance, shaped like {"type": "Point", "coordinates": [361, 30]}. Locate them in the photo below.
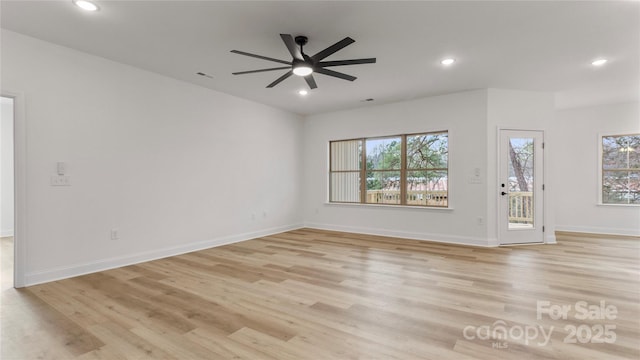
{"type": "Point", "coordinates": [426, 153]}
{"type": "Point", "coordinates": [373, 183]}
{"type": "Point", "coordinates": [384, 154]}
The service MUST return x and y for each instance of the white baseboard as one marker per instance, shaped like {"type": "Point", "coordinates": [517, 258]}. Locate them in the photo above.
{"type": "Point", "coordinates": [550, 239]}
{"type": "Point", "coordinates": [6, 232]}
{"type": "Point", "coordinates": [598, 230]}
{"type": "Point", "coordinates": [493, 242]}
{"type": "Point", "coordinates": [59, 273]}
{"type": "Point", "coordinates": [441, 238]}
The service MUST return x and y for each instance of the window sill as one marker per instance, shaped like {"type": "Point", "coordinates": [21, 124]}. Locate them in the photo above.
{"type": "Point", "coordinates": [394, 207]}
{"type": "Point", "coordinates": [619, 205]}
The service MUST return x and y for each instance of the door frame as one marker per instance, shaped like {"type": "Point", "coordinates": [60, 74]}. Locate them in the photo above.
{"type": "Point", "coordinates": [501, 220]}
{"type": "Point", "coordinates": [19, 187]}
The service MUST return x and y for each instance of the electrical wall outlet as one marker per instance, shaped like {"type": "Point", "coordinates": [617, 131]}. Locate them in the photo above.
{"type": "Point", "coordinates": [115, 234]}
{"type": "Point", "coordinates": [60, 180]}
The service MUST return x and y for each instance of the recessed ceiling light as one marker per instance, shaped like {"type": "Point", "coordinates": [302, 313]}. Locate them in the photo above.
{"type": "Point", "coordinates": [86, 5]}
{"type": "Point", "coordinates": [448, 61]}
{"type": "Point", "coordinates": [599, 62]}
{"type": "Point", "coordinates": [303, 92]}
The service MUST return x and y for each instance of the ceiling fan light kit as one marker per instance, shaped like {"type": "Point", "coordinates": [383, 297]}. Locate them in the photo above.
{"type": "Point", "coordinates": [301, 68]}
{"type": "Point", "coordinates": [304, 65]}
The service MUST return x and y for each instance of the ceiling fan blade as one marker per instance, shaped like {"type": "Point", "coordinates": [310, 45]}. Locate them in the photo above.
{"type": "Point", "coordinates": [261, 70]}
{"type": "Point", "coordinates": [260, 57]}
{"type": "Point", "coordinates": [333, 48]}
{"type": "Point", "coordinates": [279, 80]}
{"type": "Point", "coordinates": [346, 62]}
{"type": "Point", "coordinates": [310, 81]}
{"type": "Point", "coordinates": [335, 74]}
{"type": "Point", "coordinates": [291, 45]}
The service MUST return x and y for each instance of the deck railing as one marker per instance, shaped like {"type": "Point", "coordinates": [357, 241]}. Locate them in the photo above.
{"type": "Point", "coordinates": [414, 197]}
{"type": "Point", "coordinates": [520, 203]}
{"type": "Point", "coordinates": [521, 207]}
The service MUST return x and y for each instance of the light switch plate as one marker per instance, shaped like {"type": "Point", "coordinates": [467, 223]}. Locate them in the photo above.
{"type": "Point", "coordinates": [61, 167]}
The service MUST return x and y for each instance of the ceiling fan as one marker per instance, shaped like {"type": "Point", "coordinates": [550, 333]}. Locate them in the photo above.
{"type": "Point", "coordinates": [304, 65]}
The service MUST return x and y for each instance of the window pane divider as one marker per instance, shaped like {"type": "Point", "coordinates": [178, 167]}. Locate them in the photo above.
{"type": "Point", "coordinates": [363, 173]}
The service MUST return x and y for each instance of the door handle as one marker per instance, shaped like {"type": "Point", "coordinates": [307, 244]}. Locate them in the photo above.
{"type": "Point", "coordinates": [503, 193]}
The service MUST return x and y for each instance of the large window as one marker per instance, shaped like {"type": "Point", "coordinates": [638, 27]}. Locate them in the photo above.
{"type": "Point", "coordinates": [621, 169]}
{"type": "Point", "coordinates": [398, 170]}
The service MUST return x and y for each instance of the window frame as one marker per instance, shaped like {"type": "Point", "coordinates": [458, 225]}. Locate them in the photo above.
{"type": "Point", "coordinates": [601, 169]}
{"type": "Point", "coordinates": [403, 170]}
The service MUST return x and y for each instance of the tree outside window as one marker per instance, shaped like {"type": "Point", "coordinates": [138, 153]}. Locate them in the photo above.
{"type": "Point", "coordinates": [621, 169]}
{"type": "Point", "coordinates": [402, 170]}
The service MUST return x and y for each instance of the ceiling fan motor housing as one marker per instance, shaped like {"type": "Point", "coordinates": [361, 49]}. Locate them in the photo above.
{"type": "Point", "coordinates": [301, 40]}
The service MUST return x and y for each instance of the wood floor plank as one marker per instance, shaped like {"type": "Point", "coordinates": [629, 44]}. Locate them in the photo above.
{"type": "Point", "coordinates": [313, 294]}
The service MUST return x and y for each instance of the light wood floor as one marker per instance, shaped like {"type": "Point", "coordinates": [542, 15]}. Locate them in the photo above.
{"type": "Point", "coordinates": [310, 294]}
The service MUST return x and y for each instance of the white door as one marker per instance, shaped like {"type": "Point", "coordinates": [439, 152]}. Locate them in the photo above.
{"type": "Point", "coordinates": [520, 187]}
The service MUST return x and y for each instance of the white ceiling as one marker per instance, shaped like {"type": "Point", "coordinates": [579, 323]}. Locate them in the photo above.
{"type": "Point", "coordinates": [528, 45]}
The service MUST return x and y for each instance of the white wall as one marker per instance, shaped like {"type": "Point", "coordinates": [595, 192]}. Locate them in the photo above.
{"type": "Point", "coordinates": [462, 114]}
{"type": "Point", "coordinates": [6, 170]}
{"type": "Point", "coordinates": [575, 164]}
{"type": "Point", "coordinates": [472, 119]}
{"type": "Point", "coordinates": [173, 166]}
